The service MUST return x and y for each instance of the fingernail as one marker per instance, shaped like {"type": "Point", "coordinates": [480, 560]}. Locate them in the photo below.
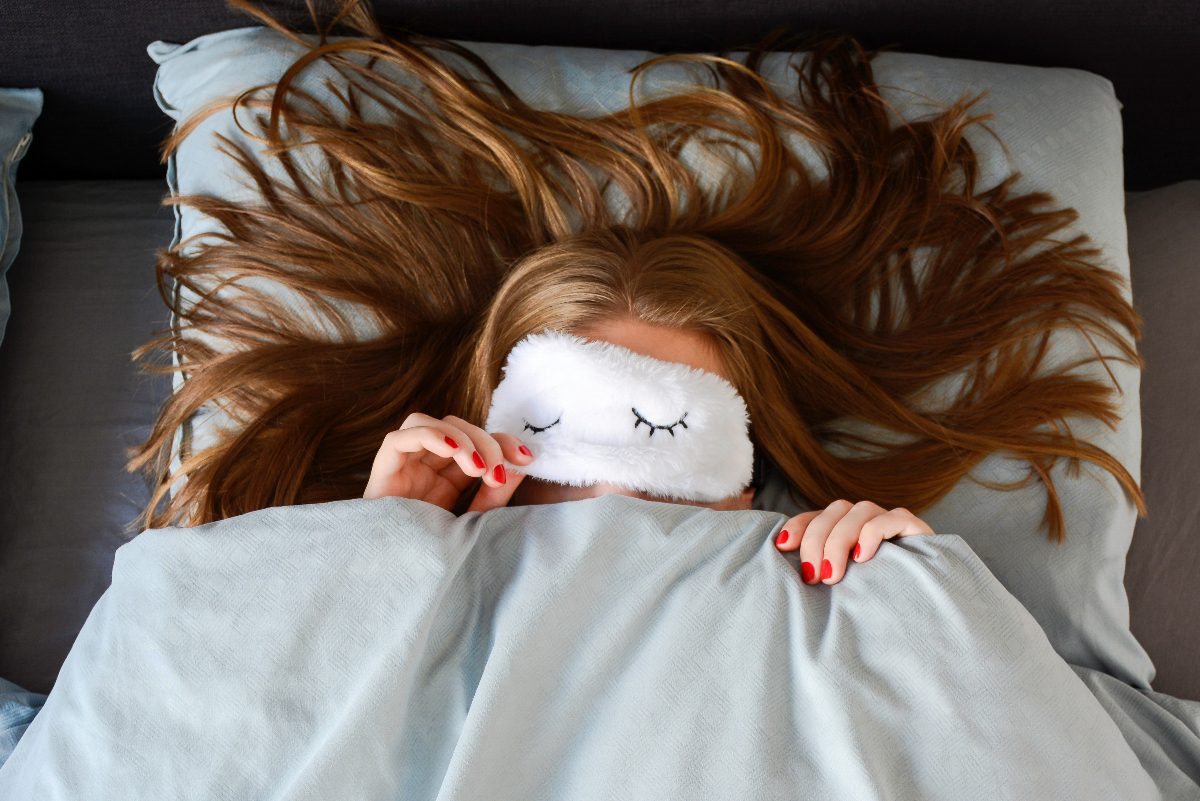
{"type": "Point", "coordinates": [826, 570]}
{"type": "Point", "coordinates": [451, 442]}
{"type": "Point", "coordinates": [477, 459]}
{"type": "Point", "coordinates": [806, 571]}
{"type": "Point", "coordinates": [857, 550]}
{"type": "Point", "coordinates": [782, 538]}
{"type": "Point", "coordinates": [525, 451]}
{"type": "Point", "coordinates": [499, 473]}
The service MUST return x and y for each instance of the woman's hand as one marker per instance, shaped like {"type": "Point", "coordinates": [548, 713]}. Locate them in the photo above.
{"type": "Point", "coordinates": [827, 536]}
{"type": "Point", "coordinates": [438, 460]}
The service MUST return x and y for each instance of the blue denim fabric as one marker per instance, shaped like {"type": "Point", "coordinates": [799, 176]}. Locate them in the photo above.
{"type": "Point", "coordinates": [19, 108]}
{"type": "Point", "coordinates": [17, 710]}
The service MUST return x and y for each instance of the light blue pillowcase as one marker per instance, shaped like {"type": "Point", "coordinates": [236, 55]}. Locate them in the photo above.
{"type": "Point", "coordinates": [18, 708]}
{"type": "Point", "coordinates": [19, 108]}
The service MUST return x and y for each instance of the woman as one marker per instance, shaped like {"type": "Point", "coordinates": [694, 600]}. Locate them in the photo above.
{"type": "Point", "coordinates": [469, 219]}
{"type": "Point", "coordinates": [616, 286]}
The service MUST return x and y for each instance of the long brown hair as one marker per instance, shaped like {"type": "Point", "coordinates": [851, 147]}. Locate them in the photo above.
{"type": "Point", "coordinates": [469, 219]}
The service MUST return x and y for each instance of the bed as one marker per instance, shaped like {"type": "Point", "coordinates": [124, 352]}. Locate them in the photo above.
{"type": "Point", "coordinates": [83, 295]}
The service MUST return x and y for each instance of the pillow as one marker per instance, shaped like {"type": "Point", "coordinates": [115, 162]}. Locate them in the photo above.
{"type": "Point", "coordinates": [1062, 130]}
{"type": "Point", "coordinates": [18, 110]}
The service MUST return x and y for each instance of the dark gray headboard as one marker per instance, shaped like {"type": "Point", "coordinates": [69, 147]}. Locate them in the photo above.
{"type": "Point", "coordinates": [100, 120]}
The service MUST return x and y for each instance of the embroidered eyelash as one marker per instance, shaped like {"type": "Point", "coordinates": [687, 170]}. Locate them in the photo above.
{"type": "Point", "coordinates": [653, 426]}
{"type": "Point", "coordinates": [537, 430]}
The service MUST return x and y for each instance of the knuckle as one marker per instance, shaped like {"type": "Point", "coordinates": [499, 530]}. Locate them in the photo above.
{"type": "Point", "coordinates": [505, 442]}
{"type": "Point", "coordinates": [454, 419]}
{"type": "Point", "coordinates": [841, 503]}
{"type": "Point", "coordinates": [872, 530]}
{"type": "Point", "coordinates": [865, 505]}
{"type": "Point", "coordinates": [902, 511]}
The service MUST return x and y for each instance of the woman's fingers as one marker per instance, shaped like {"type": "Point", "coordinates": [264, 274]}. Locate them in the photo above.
{"type": "Point", "coordinates": [397, 448]}
{"type": "Point", "coordinates": [437, 460]}
{"type": "Point", "coordinates": [458, 448]}
{"type": "Point", "coordinates": [485, 455]}
{"type": "Point", "coordinates": [792, 532]}
{"type": "Point", "coordinates": [489, 497]}
{"type": "Point", "coordinates": [516, 452]}
{"type": "Point", "coordinates": [843, 537]}
{"type": "Point", "coordinates": [812, 543]}
{"type": "Point", "coordinates": [897, 523]}
{"type": "Point", "coordinates": [514, 449]}
{"type": "Point", "coordinates": [829, 538]}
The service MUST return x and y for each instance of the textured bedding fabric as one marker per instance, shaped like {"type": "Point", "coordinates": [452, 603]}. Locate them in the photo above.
{"type": "Point", "coordinates": [1062, 130]}
{"type": "Point", "coordinates": [604, 648]}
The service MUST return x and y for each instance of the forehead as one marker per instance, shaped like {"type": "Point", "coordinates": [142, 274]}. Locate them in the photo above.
{"type": "Point", "coordinates": [685, 346]}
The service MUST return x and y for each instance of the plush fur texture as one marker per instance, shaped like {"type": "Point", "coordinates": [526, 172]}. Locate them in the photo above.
{"type": "Point", "coordinates": [606, 413]}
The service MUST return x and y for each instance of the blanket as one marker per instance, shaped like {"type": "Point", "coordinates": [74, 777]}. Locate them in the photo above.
{"type": "Point", "coordinates": [608, 648]}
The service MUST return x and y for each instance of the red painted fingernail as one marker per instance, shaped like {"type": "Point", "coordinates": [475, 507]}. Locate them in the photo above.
{"type": "Point", "coordinates": [806, 571]}
{"type": "Point", "coordinates": [782, 538]}
{"type": "Point", "coordinates": [451, 442]}
{"type": "Point", "coordinates": [826, 569]}
{"type": "Point", "coordinates": [499, 473]}
{"type": "Point", "coordinates": [477, 459]}
{"type": "Point", "coordinates": [525, 451]}
{"type": "Point", "coordinates": [857, 549]}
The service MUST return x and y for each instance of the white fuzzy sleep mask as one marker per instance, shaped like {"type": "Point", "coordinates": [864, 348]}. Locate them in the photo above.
{"type": "Point", "coordinates": [594, 411]}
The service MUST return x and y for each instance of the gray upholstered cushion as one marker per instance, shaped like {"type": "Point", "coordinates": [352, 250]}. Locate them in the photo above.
{"type": "Point", "coordinates": [70, 403]}
{"type": "Point", "coordinates": [1163, 574]}
{"type": "Point", "coordinates": [88, 56]}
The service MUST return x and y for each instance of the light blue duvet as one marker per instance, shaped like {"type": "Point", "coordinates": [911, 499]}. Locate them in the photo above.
{"type": "Point", "coordinates": [611, 648]}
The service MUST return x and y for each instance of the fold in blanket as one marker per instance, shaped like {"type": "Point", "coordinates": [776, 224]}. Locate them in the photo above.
{"type": "Point", "coordinates": [605, 648]}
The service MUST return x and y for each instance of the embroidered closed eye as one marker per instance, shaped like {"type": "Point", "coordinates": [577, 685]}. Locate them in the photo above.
{"type": "Point", "coordinates": [536, 429]}
{"type": "Point", "coordinates": [653, 426]}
